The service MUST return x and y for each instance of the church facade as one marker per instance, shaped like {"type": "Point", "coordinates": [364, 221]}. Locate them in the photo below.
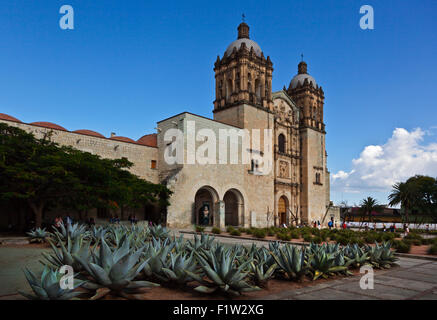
{"type": "Point", "coordinates": [295, 189]}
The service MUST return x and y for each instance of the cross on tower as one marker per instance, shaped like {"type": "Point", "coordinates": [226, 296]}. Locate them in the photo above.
{"type": "Point", "coordinates": [301, 56]}
{"type": "Point", "coordinates": [243, 17]}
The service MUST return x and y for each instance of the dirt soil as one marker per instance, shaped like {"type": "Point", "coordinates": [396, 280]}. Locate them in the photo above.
{"type": "Point", "coordinates": [188, 293]}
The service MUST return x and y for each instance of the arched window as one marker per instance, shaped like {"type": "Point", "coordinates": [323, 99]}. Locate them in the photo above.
{"type": "Point", "coordinates": [258, 90]}
{"type": "Point", "coordinates": [281, 143]}
{"type": "Point", "coordinates": [228, 89]}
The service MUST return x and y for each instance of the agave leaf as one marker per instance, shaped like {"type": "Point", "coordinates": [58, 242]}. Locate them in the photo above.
{"type": "Point", "coordinates": [100, 274]}
{"type": "Point", "coordinates": [204, 289]}
{"type": "Point", "coordinates": [142, 284]}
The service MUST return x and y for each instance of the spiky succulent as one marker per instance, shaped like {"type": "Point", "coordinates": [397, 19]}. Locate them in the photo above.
{"type": "Point", "coordinates": [381, 256]}
{"type": "Point", "coordinates": [355, 256]}
{"type": "Point", "coordinates": [178, 266]}
{"type": "Point", "coordinates": [38, 235]}
{"type": "Point", "coordinates": [73, 231]}
{"type": "Point", "coordinates": [291, 261]}
{"type": "Point", "coordinates": [113, 270]}
{"type": "Point", "coordinates": [64, 255]}
{"type": "Point", "coordinates": [158, 232]}
{"type": "Point", "coordinates": [324, 263]}
{"type": "Point", "coordinates": [96, 233]}
{"type": "Point", "coordinates": [205, 241]}
{"type": "Point", "coordinates": [223, 273]}
{"type": "Point", "coordinates": [155, 257]}
{"type": "Point", "coordinates": [47, 286]}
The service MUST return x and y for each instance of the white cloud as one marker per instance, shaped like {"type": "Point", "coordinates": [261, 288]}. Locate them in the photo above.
{"type": "Point", "coordinates": [380, 166]}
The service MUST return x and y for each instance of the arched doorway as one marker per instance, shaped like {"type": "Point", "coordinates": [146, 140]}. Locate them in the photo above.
{"type": "Point", "coordinates": [204, 202]}
{"type": "Point", "coordinates": [282, 210]}
{"type": "Point", "coordinates": [234, 207]}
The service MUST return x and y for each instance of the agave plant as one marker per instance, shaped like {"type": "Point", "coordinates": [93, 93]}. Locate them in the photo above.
{"type": "Point", "coordinates": [64, 255]}
{"type": "Point", "coordinates": [355, 256]}
{"type": "Point", "coordinates": [324, 263]}
{"type": "Point", "coordinates": [381, 256]}
{"type": "Point", "coordinates": [179, 264]}
{"type": "Point", "coordinates": [113, 270]}
{"type": "Point", "coordinates": [155, 258]}
{"type": "Point", "coordinates": [223, 274]}
{"type": "Point", "coordinates": [291, 261]}
{"type": "Point", "coordinates": [116, 234]}
{"type": "Point", "coordinates": [47, 286]}
{"type": "Point", "coordinates": [158, 232]}
{"type": "Point", "coordinates": [72, 231]}
{"type": "Point", "coordinates": [38, 235]}
{"type": "Point", "coordinates": [205, 241]}
{"type": "Point", "coordinates": [262, 273]}
{"type": "Point", "coordinates": [97, 233]}
{"type": "Point", "coordinates": [180, 245]}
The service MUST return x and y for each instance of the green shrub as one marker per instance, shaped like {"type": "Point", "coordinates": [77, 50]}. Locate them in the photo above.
{"type": "Point", "coordinates": [307, 238]}
{"type": "Point", "coordinates": [433, 249]}
{"type": "Point", "coordinates": [342, 240]}
{"type": "Point", "coordinates": [317, 240]}
{"type": "Point", "coordinates": [242, 230]}
{"type": "Point", "coordinates": [285, 236]}
{"type": "Point", "coordinates": [294, 234]}
{"type": "Point", "coordinates": [388, 236]}
{"type": "Point", "coordinates": [216, 230]}
{"type": "Point", "coordinates": [260, 233]}
{"type": "Point", "coordinates": [235, 232]}
{"type": "Point", "coordinates": [250, 230]}
{"type": "Point", "coordinates": [199, 228]}
{"type": "Point", "coordinates": [270, 232]}
{"type": "Point", "coordinates": [413, 236]}
{"type": "Point", "coordinates": [230, 229]}
{"type": "Point", "coordinates": [402, 246]}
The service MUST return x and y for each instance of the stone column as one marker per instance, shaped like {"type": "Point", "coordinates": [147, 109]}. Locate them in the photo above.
{"type": "Point", "coordinates": [219, 214]}
{"type": "Point", "coordinates": [253, 223]}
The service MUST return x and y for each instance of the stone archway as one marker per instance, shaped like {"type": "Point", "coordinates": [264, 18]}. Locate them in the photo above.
{"type": "Point", "coordinates": [204, 206]}
{"type": "Point", "coordinates": [282, 210]}
{"type": "Point", "coordinates": [234, 207]}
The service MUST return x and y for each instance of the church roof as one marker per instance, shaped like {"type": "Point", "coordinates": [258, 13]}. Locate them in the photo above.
{"type": "Point", "coordinates": [49, 125]}
{"type": "Point", "coordinates": [300, 78]}
{"type": "Point", "coordinates": [249, 43]}
{"type": "Point", "coordinates": [4, 116]}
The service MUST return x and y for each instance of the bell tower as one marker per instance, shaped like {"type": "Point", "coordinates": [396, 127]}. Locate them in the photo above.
{"type": "Point", "coordinates": [309, 97]}
{"type": "Point", "coordinates": [243, 76]}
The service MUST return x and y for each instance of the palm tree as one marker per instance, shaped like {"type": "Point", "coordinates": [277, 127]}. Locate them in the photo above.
{"type": "Point", "coordinates": [369, 205]}
{"type": "Point", "coordinates": [403, 194]}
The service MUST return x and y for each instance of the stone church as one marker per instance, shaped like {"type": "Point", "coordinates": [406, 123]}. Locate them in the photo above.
{"type": "Point", "coordinates": [296, 189]}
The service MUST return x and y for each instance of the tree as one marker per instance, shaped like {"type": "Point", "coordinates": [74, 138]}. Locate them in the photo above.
{"type": "Point", "coordinates": [369, 205]}
{"type": "Point", "coordinates": [44, 175]}
{"type": "Point", "coordinates": [417, 195]}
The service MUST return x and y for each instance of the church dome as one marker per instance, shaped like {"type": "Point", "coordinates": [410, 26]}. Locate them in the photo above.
{"type": "Point", "coordinates": [249, 43]}
{"type": "Point", "coordinates": [301, 76]}
{"type": "Point", "coordinates": [243, 37]}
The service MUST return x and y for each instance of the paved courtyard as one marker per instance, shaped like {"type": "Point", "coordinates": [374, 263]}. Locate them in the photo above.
{"type": "Point", "coordinates": [413, 279]}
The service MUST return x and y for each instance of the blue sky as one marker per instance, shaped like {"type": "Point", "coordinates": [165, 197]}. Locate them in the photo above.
{"type": "Point", "coordinates": [129, 64]}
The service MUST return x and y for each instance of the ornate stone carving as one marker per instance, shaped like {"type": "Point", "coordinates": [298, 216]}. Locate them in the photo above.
{"type": "Point", "coordinates": [283, 169]}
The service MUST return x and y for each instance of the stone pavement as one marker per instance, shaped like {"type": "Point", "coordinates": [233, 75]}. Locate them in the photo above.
{"type": "Point", "coordinates": [413, 279]}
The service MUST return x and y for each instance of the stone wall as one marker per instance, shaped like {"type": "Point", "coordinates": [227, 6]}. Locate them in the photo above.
{"type": "Point", "coordinates": [140, 155]}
